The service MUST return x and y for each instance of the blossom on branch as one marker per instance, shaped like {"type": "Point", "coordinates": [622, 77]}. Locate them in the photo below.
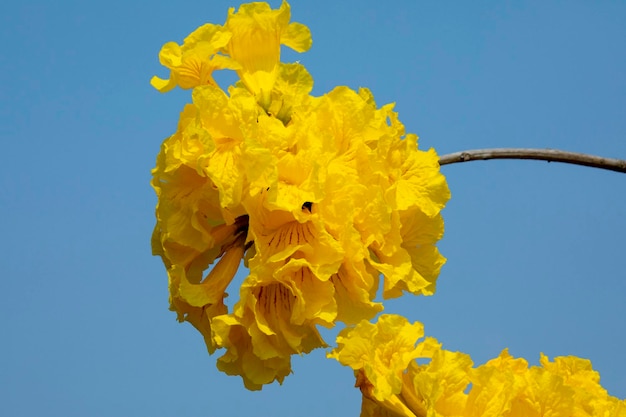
{"type": "Point", "coordinates": [393, 383]}
{"type": "Point", "coordinates": [318, 196]}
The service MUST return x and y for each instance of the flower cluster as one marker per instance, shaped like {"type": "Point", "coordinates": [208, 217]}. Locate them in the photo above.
{"type": "Point", "coordinates": [319, 196]}
{"type": "Point", "coordinates": [393, 383]}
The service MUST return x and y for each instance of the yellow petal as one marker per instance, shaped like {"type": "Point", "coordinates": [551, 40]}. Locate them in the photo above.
{"type": "Point", "coordinates": [163, 85]}
{"type": "Point", "coordinates": [211, 289]}
{"type": "Point", "coordinates": [297, 36]}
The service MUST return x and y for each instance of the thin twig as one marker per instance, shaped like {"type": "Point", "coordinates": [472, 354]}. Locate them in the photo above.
{"type": "Point", "coordinates": [550, 155]}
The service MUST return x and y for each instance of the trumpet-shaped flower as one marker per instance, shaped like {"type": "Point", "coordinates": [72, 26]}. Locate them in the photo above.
{"type": "Point", "coordinates": [276, 319]}
{"type": "Point", "coordinates": [192, 63]}
{"type": "Point", "coordinates": [382, 351]}
{"type": "Point", "coordinates": [257, 32]}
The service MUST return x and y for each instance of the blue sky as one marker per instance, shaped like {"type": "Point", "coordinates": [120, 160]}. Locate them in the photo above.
{"type": "Point", "coordinates": [535, 250]}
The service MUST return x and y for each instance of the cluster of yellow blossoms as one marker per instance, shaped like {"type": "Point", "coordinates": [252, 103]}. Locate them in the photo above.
{"type": "Point", "coordinates": [318, 197]}
{"type": "Point", "coordinates": [386, 359]}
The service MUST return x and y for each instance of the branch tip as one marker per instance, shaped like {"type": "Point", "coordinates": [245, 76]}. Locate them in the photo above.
{"type": "Point", "coordinates": [549, 155]}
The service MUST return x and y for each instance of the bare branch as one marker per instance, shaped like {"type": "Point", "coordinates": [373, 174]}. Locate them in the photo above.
{"type": "Point", "coordinates": [550, 155]}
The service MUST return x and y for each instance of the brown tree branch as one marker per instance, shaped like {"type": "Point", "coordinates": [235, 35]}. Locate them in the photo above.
{"type": "Point", "coordinates": [550, 155]}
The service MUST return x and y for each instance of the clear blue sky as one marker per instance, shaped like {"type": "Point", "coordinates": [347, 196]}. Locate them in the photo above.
{"type": "Point", "coordinates": [536, 251]}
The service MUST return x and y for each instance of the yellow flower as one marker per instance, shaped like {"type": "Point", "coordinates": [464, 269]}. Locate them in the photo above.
{"type": "Point", "coordinates": [355, 287]}
{"type": "Point", "coordinates": [273, 320]}
{"type": "Point", "coordinates": [590, 398]}
{"type": "Point", "coordinates": [414, 186]}
{"type": "Point", "coordinates": [495, 385]}
{"type": "Point", "coordinates": [380, 353]}
{"type": "Point", "coordinates": [240, 359]}
{"type": "Point", "coordinates": [257, 32]}
{"type": "Point", "coordinates": [229, 121]}
{"type": "Point", "coordinates": [185, 202]}
{"type": "Point", "coordinates": [193, 63]}
{"type": "Point", "coordinates": [283, 236]}
{"type": "Point", "coordinates": [291, 91]}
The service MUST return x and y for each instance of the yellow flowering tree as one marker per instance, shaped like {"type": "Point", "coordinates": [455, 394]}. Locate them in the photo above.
{"type": "Point", "coordinates": [319, 198]}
